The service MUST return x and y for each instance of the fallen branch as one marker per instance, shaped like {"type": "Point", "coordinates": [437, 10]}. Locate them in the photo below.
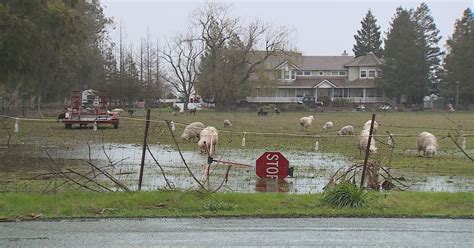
{"type": "Point", "coordinates": [181, 155]}
{"type": "Point", "coordinates": [460, 148]}
{"type": "Point", "coordinates": [161, 168]}
{"type": "Point", "coordinates": [112, 178]}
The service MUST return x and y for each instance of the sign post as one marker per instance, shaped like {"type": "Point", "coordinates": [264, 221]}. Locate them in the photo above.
{"type": "Point", "coordinates": [272, 165]}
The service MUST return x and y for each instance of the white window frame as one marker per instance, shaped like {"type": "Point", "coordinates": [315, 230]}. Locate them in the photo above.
{"type": "Point", "coordinates": [320, 73]}
{"type": "Point", "coordinates": [363, 71]}
{"type": "Point", "coordinates": [372, 71]}
{"type": "Point", "coordinates": [342, 73]}
{"type": "Point", "coordinates": [307, 73]}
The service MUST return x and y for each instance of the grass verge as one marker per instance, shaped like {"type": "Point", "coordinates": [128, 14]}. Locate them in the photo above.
{"type": "Point", "coordinates": [197, 204]}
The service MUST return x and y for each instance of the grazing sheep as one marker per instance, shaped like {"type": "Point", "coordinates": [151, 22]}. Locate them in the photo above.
{"type": "Point", "coordinates": [367, 126]}
{"type": "Point", "coordinates": [346, 130]}
{"type": "Point", "coordinates": [118, 110]}
{"type": "Point", "coordinates": [363, 142]}
{"type": "Point", "coordinates": [328, 125]}
{"type": "Point", "coordinates": [192, 131]}
{"type": "Point", "coordinates": [261, 112]}
{"type": "Point", "coordinates": [277, 111]}
{"type": "Point", "coordinates": [305, 122]}
{"type": "Point", "coordinates": [227, 124]}
{"type": "Point", "coordinates": [427, 143]}
{"type": "Point", "coordinates": [208, 140]}
{"type": "Point", "coordinates": [61, 117]}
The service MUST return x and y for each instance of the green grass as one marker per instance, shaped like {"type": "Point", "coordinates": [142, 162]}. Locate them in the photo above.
{"type": "Point", "coordinates": [345, 194]}
{"type": "Point", "coordinates": [197, 204]}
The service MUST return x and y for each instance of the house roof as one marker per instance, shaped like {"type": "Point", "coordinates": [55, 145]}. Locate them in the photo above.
{"type": "Point", "coordinates": [325, 63]}
{"type": "Point", "coordinates": [338, 82]}
{"type": "Point", "coordinates": [369, 59]}
{"type": "Point", "coordinates": [278, 59]}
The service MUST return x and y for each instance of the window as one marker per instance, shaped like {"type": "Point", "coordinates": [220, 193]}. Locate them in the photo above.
{"type": "Point", "coordinates": [341, 92]}
{"type": "Point", "coordinates": [307, 73]}
{"type": "Point", "coordinates": [379, 73]}
{"type": "Point", "coordinates": [293, 74]}
{"type": "Point", "coordinates": [363, 74]}
{"type": "Point", "coordinates": [371, 93]}
{"type": "Point", "coordinates": [303, 92]}
{"type": "Point", "coordinates": [320, 73]}
{"type": "Point", "coordinates": [283, 92]}
{"type": "Point", "coordinates": [334, 73]}
{"type": "Point", "coordinates": [342, 73]}
{"type": "Point", "coordinates": [371, 74]}
{"type": "Point", "coordinates": [299, 73]}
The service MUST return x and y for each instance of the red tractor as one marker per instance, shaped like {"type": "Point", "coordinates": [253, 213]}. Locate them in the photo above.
{"type": "Point", "coordinates": [90, 108]}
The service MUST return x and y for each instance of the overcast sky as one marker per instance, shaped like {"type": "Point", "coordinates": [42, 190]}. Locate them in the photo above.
{"type": "Point", "coordinates": [319, 27]}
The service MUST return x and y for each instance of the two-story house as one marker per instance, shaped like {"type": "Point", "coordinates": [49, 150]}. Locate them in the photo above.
{"type": "Point", "coordinates": [335, 77]}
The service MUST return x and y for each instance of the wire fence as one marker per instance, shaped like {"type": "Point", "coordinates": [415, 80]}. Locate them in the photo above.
{"type": "Point", "coordinates": [315, 155]}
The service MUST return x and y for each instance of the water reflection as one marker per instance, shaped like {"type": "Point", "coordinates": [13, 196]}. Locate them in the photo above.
{"type": "Point", "coordinates": [271, 185]}
{"type": "Point", "coordinates": [312, 170]}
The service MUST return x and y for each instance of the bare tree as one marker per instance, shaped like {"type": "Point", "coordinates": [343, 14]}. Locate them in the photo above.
{"type": "Point", "coordinates": [233, 52]}
{"type": "Point", "coordinates": [182, 59]}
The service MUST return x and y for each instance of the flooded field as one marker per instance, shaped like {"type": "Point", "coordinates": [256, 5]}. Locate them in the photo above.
{"type": "Point", "coordinates": [312, 170]}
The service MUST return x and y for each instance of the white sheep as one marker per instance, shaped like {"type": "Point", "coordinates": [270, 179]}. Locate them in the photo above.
{"type": "Point", "coordinates": [346, 130]}
{"type": "Point", "coordinates": [208, 140]}
{"type": "Point", "coordinates": [427, 143]}
{"type": "Point", "coordinates": [192, 131]}
{"type": "Point", "coordinates": [367, 126]}
{"type": "Point", "coordinates": [227, 124]}
{"type": "Point", "coordinates": [328, 125]}
{"type": "Point", "coordinates": [363, 142]}
{"type": "Point", "coordinates": [305, 122]}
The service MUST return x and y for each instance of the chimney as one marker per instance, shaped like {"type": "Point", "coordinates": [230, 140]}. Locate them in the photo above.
{"type": "Point", "coordinates": [344, 53]}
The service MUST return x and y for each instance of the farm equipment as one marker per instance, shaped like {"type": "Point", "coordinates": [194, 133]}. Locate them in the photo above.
{"type": "Point", "coordinates": [89, 108]}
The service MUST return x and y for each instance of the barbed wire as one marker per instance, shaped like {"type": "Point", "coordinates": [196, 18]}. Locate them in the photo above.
{"type": "Point", "coordinates": [320, 134]}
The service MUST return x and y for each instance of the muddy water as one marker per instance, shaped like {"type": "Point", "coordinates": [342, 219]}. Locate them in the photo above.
{"type": "Point", "coordinates": [311, 173]}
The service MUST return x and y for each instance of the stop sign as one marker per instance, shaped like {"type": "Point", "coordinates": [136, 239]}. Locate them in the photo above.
{"type": "Point", "coordinates": [272, 165]}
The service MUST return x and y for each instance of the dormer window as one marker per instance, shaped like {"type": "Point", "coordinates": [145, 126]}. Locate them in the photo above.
{"type": "Point", "coordinates": [363, 74]}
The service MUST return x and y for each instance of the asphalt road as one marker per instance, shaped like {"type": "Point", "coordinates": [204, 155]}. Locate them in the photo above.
{"type": "Point", "coordinates": [328, 232]}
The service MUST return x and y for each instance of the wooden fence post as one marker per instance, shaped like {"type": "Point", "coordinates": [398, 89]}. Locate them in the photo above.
{"type": "Point", "coordinates": [367, 151]}
{"type": "Point", "coordinates": [142, 164]}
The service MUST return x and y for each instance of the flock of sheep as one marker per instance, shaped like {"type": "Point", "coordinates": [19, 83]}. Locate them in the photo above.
{"type": "Point", "coordinates": [425, 141]}
{"type": "Point", "coordinates": [208, 136]}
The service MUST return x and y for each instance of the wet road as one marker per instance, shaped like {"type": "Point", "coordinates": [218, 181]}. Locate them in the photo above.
{"type": "Point", "coordinates": [366, 232]}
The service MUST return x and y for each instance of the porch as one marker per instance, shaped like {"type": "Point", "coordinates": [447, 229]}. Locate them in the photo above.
{"type": "Point", "coordinates": [280, 99]}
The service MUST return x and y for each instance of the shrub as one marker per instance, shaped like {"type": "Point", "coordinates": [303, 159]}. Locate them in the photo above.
{"type": "Point", "coordinates": [215, 206]}
{"type": "Point", "coordinates": [345, 194]}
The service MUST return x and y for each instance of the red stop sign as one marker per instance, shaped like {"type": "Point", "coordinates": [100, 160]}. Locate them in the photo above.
{"type": "Point", "coordinates": [272, 165]}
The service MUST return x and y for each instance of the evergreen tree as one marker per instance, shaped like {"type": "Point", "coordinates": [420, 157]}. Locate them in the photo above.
{"type": "Point", "coordinates": [459, 61]}
{"type": "Point", "coordinates": [404, 60]}
{"type": "Point", "coordinates": [48, 47]}
{"type": "Point", "coordinates": [428, 38]}
{"type": "Point", "coordinates": [368, 38]}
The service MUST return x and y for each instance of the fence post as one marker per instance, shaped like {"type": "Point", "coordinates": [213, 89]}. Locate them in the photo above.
{"type": "Point", "coordinates": [142, 164]}
{"type": "Point", "coordinates": [367, 151]}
